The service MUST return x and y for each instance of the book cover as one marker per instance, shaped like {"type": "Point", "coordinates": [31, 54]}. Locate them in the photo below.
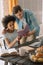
{"type": "Point", "coordinates": [24, 31]}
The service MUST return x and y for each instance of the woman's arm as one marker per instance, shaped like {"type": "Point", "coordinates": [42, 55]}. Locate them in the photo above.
{"type": "Point", "coordinates": [10, 44]}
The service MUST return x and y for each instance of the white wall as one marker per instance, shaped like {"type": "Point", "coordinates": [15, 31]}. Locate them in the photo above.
{"type": "Point", "coordinates": [1, 14]}
{"type": "Point", "coordinates": [42, 11]}
{"type": "Point", "coordinates": [34, 5]}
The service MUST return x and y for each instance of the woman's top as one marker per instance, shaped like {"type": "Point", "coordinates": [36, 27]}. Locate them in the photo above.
{"type": "Point", "coordinates": [11, 37]}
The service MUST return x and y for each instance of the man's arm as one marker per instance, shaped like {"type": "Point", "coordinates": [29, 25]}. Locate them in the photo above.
{"type": "Point", "coordinates": [32, 22]}
{"type": "Point", "coordinates": [35, 25]}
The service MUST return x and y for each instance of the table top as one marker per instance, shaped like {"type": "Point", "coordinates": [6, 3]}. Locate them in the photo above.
{"type": "Point", "coordinates": [20, 60]}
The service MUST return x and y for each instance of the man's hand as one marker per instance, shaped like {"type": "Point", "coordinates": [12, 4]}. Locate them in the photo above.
{"type": "Point", "coordinates": [30, 32]}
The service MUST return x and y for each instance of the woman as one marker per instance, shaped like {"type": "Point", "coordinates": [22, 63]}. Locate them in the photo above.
{"type": "Point", "coordinates": [10, 36]}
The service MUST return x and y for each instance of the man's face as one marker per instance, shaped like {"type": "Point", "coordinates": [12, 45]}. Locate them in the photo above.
{"type": "Point", "coordinates": [19, 15]}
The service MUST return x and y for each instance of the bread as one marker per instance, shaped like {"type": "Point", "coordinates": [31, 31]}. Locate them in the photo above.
{"type": "Point", "coordinates": [40, 49]}
{"type": "Point", "coordinates": [34, 58]}
{"type": "Point", "coordinates": [40, 59]}
{"type": "Point", "coordinates": [38, 55]}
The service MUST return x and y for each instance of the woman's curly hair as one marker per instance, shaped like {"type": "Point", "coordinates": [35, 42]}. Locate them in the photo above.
{"type": "Point", "coordinates": [7, 19]}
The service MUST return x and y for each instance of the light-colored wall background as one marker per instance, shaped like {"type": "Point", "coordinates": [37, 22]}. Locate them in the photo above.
{"type": "Point", "coordinates": [4, 10]}
{"type": "Point", "coordinates": [6, 7]}
{"type": "Point", "coordinates": [1, 14]}
{"type": "Point", "coordinates": [34, 5]}
{"type": "Point", "coordinates": [42, 11]}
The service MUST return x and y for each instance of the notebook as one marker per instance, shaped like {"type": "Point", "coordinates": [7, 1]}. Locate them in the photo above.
{"type": "Point", "coordinates": [8, 52]}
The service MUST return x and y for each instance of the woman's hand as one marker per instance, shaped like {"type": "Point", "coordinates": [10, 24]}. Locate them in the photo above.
{"type": "Point", "coordinates": [18, 38]}
{"type": "Point", "coordinates": [4, 31]}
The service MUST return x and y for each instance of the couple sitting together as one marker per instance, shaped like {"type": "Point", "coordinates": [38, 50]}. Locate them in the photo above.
{"type": "Point", "coordinates": [20, 18]}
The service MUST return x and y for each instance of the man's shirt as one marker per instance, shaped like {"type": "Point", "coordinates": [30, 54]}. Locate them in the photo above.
{"type": "Point", "coordinates": [31, 20]}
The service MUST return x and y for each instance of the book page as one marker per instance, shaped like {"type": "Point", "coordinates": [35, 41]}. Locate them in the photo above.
{"type": "Point", "coordinates": [3, 52]}
{"type": "Point", "coordinates": [7, 52]}
{"type": "Point", "coordinates": [12, 50]}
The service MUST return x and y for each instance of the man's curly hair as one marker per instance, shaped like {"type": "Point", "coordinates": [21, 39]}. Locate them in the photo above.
{"type": "Point", "coordinates": [7, 19]}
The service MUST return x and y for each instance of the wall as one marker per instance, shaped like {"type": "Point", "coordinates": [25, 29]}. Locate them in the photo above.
{"type": "Point", "coordinates": [34, 5]}
{"type": "Point", "coordinates": [42, 11]}
{"type": "Point", "coordinates": [4, 10]}
{"type": "Point", "coordinates": [1, 14]}
{"type": "Point", "coordinates": [6, 7]}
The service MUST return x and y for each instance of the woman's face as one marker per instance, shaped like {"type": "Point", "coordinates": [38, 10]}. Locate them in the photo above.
{"type": "Point", "coordinates": [10, 26]}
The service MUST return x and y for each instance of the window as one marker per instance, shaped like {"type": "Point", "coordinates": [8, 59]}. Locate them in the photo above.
{"type": "Point", "coordinates": [12, 3]}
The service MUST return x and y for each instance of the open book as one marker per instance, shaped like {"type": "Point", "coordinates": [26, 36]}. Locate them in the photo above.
{"type": "Point", "coordinates": [8, 52]}
{"type": "Point", "coordinates": [24, 31]}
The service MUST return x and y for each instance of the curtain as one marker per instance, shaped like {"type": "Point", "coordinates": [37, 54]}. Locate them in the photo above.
{"type": "Point", "coordinates": [12, 3]}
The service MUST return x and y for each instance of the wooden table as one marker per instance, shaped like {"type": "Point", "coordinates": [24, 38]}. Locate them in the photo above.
{"type": "Point", "coordinates": [20, 60]}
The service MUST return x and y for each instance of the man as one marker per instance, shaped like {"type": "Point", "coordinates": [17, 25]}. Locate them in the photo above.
{"type": "Point", "coordinates": [24, 17]}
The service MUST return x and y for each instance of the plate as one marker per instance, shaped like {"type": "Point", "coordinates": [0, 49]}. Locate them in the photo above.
{"type": "Point", "coordinates": [34, 58]}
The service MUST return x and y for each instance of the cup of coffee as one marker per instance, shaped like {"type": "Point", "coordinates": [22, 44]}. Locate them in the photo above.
{"type": "Point", "coordinates": [21, 51]}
